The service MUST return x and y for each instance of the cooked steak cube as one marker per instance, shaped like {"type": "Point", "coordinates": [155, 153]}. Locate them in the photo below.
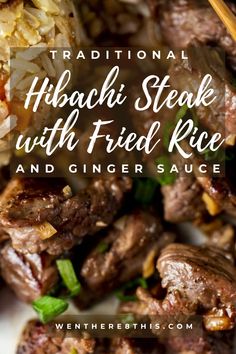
{"type": "Point", "coordinates": [187, 75]}
{"type": "Point", "coordinates": [27, 204]}
{"type": "Point", "coordinates": [203, 275]}
{"type": "Point", "coordinates": [184, 21]}
{"type": "Point", "coordinates": [222, 191]}
{"type": "Point", "coordinates": [136, 346]}
{"type": "Point", "coordinates": [224, 237]}
{"type": "Point", "coordinates": [128, 244]}
{"type": "Point", "coordinates": [182, 200]}
{"type": "Point", "coordinates": [218, 343]}
{"type": "Point", "coordinates": [36, 339]}
{"type": "Point", "coordinates": [28, 275]}
{"type": "Point", "coordinates": [196, 278]}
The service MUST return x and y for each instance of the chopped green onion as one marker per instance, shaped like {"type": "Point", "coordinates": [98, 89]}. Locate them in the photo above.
{"type": "Point", "coordinates": [125, 298]}
{"type": "Point", "coordinates": [128, 319]}
{"type": "Point", "coordinates": [166, 177]}
{"type": "Point", "coordinates": [194, 117]}
{"type": "Point", "coordinates": [133, 283]}
{"type": "Point", "coordinates": [120, 294]}
{"type": "Point", "coordinates": [49, 307]}
{"type": "Point", "coordinates": [169, 126]}
{"type": "Point", "coordinates": [181, 113]}
{"type": "Point", "coordinates": [68, 275]}
{"type": "Point", "coordinates": [144, 190]}
{"type": "Point", "coordinates": [102, 247]}
{"type": "Point", "coordinates": [219, 155]}
{"type": "Point", "coordinates": [143, 283]}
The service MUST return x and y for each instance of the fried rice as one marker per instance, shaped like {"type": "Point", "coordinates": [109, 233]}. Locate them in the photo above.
{"type": "Point", "coordinates": [27, 29]}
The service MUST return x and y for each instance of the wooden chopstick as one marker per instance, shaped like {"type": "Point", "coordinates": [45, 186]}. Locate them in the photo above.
{"type": "Point", "coordinates": [226, 15]}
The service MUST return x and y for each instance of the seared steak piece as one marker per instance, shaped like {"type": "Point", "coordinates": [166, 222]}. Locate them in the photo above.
{"type": "Point", "coordinates": [182, 200]}
{"type": "Point", "coordinates": [28, 275]}
{"type": "Point", "coordinates": [28, 201]}
{"type": "Point", "coordinates": [196, 278]}
{"type": "Point", "coordinates": [127, 245]}
{"type": "Point", "coordinates": [184, 21]}
{"type": "Point", "coordinates": [217, 343]}
{"type": "Point", "coordinates": [224, 237]}
{"type": "Point", "coordinates": [222, 191]}
{"type": "Point", "coordinates": [36, 340]}
{"type": "Point", "coordinates": [136, 346]}
{"type": "Point", "coordinates": [207, 277]}
{"type": "Point", "coordinates": [187, 75]}
{"type": "Point", "coordinates": [27, 204]}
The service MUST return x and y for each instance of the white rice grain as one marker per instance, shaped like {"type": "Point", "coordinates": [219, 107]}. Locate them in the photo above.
{"type": "Point", "coordinates": [7, 125]}
{"type": "Point", "coordinates": [24, 65]}
{"type": "Point", "coordinates": [48, 65]}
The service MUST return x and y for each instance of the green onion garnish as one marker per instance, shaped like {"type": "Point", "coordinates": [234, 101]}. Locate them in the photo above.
{"type": "Point", "coordinates": [181, 113]}
{"type": "Point", "coordinates": [68, 275]}
{"type": "Point", "coordinates": [166, 177]}
{"type": "Point", "coordinates": [144, 190]}
{"type": "Point", "coordinates": [219, 155]}
{"type": "Point", "coordinates": [49, 307]}
{"type": "Point", "coordinates": [125, 298]}
{"type": "Point", "coordinates": [128, 319]}
{"type": "Point", "coordinates": [120, 294]}
{"type": "Point", "coordinates": [102, 247]}
{"type": "Point", "coordinates": [168, 128]}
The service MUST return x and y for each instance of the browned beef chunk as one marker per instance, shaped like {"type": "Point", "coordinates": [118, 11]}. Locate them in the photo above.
{"type": "Point", "coordinates": [222, 191]}
{"type": "Point", "coordinates": [128, 244]}
{"type": "Point", "coordinates": [28, 275]}
{"type": "Point", "coordinates": [136, 346]}
{"type": "Point", "coordinates": [221, 235]}
{"type": "Point", "coordinates": [187, 75]}
{"type": "Point", "coordinates": [182, 200]}
{"type": "Point", "coordinates": [27, 204]}
{"type": "Point", "coordinates": [195, 278]}
{"type": "Point", "coordinates": [205, 275]}
{"type": "Point", "coordinates": [36, 340]}
{"type": "Point", "coordinates": [31, 201]}
{"type": "Point", "coordinates": [183, 21]}
{"type": "Point", "coordinates": [218, 343]}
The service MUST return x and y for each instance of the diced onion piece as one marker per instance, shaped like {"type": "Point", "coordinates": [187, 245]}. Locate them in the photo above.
{"type": "Point", "coordinates": [67, 192]}
{"type": "Point", "coordinates": [100, 223]}
{"type": "Point", "coordinates": [149, 264]}
{"type": "Point", "coordinates": [217, 323]}
{"type": "Point", "coordinates": [231, 139]}
{"type": "Point", "coordinates": [46, 230]}
{"type": "Point", "coordinates": [120, 223]}
{"type": "Point", "coordinates": [212, 207]}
